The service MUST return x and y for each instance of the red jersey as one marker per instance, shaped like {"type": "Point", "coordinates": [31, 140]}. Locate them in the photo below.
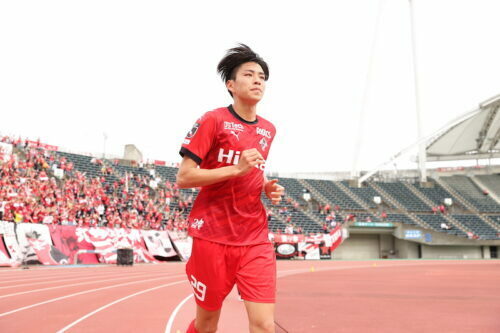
{"type": "Point", "coordinates": [229, 212]}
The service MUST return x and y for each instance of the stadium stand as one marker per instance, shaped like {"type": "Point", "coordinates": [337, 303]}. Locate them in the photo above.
{"type": "Point", "coordinates": [496, 220]}
{"type": "Point", "coordinates": [436, 194]}
{"type": "Point", "coordinates": [478, 227]}
{"type": "Point", "coordinates": [492, 182]}
{"type": "Point", "coordinates": [404, 197]}
{"type": "Point", "coordinates": [470, 192]}
{"type": "Point", "coordinates": [435, 221]}
{"type": "Point", "coordinates": [334, 194]}
{"type": "Point", "coordinates": [403, 218]}
{"type": "Point", "coordinates": [365, 193]}
{"type": "Point", "coordinates": [95, 192]}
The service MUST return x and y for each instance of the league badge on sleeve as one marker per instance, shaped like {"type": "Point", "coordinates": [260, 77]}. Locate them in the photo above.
{"type": "Point", "coordinates": [193, 131]}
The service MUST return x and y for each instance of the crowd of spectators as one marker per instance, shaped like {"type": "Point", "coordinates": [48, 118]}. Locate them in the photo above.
{"type": "Point", "coordinates": [30, 192]}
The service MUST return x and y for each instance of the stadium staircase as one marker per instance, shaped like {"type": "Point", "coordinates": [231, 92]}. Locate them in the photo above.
{"type": "Point", "coordinates": [294, 189]}
{"type": "Point", "coordinates": [386, 197]}
{"type": "Point", "coordinates": [486, 183]}
{"type": "Point", "coordinates": [472, 194]}
{"type": "Point", "coordinates": [315, 194]}
{"type": "Point", "coordinates": [457, 196]}
{"type": "Point", "coordinates": [450, 220]}
{"type": "Point", "coordinates": [277, 221]}
{"type": "Point", "coordinates": [334, 194]}
{"type": "Point", "coordinates": [483, 217]}
{"type": "Point", "coordinates": [299, 219]}
{"type": "Point", "coordinates": [349, 193]}
{"type": "Point", "coordinates": [320, 198]}
{"type": "Point", "coordinates": [477, 226]}
{"type": "Point", "coordinates": [330, 193]}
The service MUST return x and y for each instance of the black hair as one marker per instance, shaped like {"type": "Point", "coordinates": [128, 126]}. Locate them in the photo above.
{"type": "Point", "coordinates": [236, 57]}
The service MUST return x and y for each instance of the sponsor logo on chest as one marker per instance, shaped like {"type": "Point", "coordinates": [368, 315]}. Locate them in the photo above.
{"type": "Point", "coordinates": [231, 126]}
{"type": "Point", "coordinates": [264, 132]}
{"type": "Point", "coordinates": [233, 157]}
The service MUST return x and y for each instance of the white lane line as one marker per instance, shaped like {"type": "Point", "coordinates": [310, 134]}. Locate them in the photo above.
{"type": "Point", "coordinates": [72, 285]}
{"type": "Point", "coordinates": [38, 278]}
{"type": "Point", "coordinates": [81, 293]}
{"type": "Point", "coordinates": [170, 322]}
{"type": "Point", "coordinates": [71, 278]}
{"type": "Point", "coordinates": [367, 265]}
{"type": "Point", "coordinates": [76, 269]}
{"type": "Point", "coordinates": [115, 302]}
{"type": "Point", "coordinates": [47, 268]}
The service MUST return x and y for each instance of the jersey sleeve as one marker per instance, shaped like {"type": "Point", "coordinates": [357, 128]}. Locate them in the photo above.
{"type": "Point", "coordinates": [199, 139]}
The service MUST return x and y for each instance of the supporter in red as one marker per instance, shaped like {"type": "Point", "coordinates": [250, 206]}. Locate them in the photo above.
{"type": "Point", "coordinates": [327, 208]}
{"type": "Point", "coordinates": [29, 193]}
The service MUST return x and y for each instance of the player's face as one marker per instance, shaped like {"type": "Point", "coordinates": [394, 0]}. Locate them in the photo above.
{"type": "Point", "coordinates": [249, 84]}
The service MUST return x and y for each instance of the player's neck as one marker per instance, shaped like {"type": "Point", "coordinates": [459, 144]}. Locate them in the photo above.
{"type": "Point", "coordinates": [245, 111]}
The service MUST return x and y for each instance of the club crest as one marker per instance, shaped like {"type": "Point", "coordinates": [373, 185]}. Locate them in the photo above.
{"type": "Point", "coordinates": [263, 143]}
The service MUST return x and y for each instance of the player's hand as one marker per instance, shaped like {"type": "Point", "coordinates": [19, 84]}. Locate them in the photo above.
{"type": "Point", "coordinates": [274, 191]}
{"type": "Point", "coordinates": [249, 158]}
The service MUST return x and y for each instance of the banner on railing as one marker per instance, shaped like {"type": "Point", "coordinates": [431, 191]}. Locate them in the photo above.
{"type": "Point", "coordinates": [66, 240]}
{"type": "Point", "coordinates": [315, 246]}
{"type": "Point", "coordinates": [5, 259]}
{"type": "Point", "coordinates": [9, 237]}
{"type": "Point", "coordinates": [105, 240]}
{"type": "Point", "coordinates": [46, 253]}
{"type": "Point", "coordinates": [27, 231]}
{"type": "Point", "coordinates": [158, 243]}
{"type": "Point", "coordinates": [37, 144]}
{"type": "Point", "coordinates": [285, 250]}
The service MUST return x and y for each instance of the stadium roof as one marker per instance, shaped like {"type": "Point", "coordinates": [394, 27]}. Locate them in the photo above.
{"type": "Point", "coordinates": [475, 135]}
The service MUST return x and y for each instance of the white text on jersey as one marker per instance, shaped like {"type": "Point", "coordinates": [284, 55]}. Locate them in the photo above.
{"type": "Point", "coordinates": [264, 132]}
{"type": "Point", "coordinates": [233, 157]}
{"type": "Point", "coordinates": [229, 125]}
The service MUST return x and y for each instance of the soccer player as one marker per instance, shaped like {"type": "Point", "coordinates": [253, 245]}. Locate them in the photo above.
{"type": "Point", "coordinates": [225, 154]}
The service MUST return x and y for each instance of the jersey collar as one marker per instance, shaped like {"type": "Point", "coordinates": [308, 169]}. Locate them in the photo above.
{"type": "Point", "coordinates": [231, 109]}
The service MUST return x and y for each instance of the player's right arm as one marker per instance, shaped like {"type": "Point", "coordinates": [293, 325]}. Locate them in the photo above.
{"type": "Point", "coordinates": [190, 175]}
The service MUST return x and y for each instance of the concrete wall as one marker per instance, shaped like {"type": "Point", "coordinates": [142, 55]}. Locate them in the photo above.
{"type": "Point", "coordinates": [486, 252]}
{"type": "Point", "coordinates": [382, 245]}
{"type": "Point", "coordinates": [451, 252]}
{"type": "Point", "coordinates": [441, 238]}
{"type": "Point", "coordinates": [406, 249]}
{"type": "Point", "coordinates": [358, 247]}
{"type": "Point", "coordinates": [387, 246]}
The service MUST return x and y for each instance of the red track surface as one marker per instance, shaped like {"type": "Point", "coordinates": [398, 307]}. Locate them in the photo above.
{"type": "Point", "coordinates": [333, 296]}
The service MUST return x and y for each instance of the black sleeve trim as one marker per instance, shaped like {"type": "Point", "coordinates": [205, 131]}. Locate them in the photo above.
{"type": "Point", "coordinates": [190, 154]}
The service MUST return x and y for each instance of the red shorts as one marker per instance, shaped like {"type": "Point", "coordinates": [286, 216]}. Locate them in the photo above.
{"type": "Point", "coordinates": [214, 268]}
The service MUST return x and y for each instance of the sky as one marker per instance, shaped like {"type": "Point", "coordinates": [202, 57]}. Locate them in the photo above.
{"type": "Point", "coordinates": [142, 72]}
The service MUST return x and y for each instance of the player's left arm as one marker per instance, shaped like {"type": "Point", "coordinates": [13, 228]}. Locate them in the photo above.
{"type": "Point", "coordinates": [273, 190]}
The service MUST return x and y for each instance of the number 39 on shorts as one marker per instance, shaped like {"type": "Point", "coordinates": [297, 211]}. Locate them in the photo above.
{"type": "Point", "coordinates": [199, 287]}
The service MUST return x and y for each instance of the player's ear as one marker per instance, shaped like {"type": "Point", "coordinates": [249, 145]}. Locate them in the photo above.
{"type": "Point", "coordinates": [230, 85]}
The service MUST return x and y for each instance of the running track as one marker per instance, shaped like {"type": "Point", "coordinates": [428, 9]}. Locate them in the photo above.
{"type": "Point", "coordinates": [327, 296]}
